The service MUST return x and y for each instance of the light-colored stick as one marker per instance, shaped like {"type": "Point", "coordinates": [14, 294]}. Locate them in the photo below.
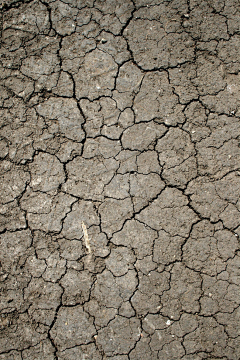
{"type": "Point", "coordinates": [87, 243]}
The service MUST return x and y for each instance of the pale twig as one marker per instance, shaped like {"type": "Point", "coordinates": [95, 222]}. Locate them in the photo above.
{"type": "Point", "coordinates": [87, 243]}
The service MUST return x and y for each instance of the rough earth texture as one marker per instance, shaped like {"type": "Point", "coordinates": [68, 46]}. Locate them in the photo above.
{"type": "Point", "coordinates": [120, 179]}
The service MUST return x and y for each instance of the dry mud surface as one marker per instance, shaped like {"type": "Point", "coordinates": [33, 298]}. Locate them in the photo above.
{"type": "Point", "coordinates": [120, 180]}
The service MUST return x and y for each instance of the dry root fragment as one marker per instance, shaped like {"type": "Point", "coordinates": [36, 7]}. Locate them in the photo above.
{"type": "Point", "coordinates": [86, 238]}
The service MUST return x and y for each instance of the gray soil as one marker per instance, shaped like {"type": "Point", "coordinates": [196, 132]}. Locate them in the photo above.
{"type": "Point", "coordinates": [120, 179]}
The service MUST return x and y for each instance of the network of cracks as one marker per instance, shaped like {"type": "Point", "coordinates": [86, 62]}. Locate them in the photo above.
{"type": "Point", "coordinates": [120, 180]}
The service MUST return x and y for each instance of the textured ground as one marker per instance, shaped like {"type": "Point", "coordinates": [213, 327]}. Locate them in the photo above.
{"type": "Point", "coordinates": [120, 180]}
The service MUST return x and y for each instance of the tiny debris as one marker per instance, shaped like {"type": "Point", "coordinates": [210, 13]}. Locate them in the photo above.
{"type": "Point", "coordinates": [86, 238]}
{"type": "Point", "coordinates": [139, 332]}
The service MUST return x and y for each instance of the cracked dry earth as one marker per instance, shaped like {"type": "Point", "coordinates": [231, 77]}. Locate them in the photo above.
{"type": "Point", "coordinates": [120, 180]}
